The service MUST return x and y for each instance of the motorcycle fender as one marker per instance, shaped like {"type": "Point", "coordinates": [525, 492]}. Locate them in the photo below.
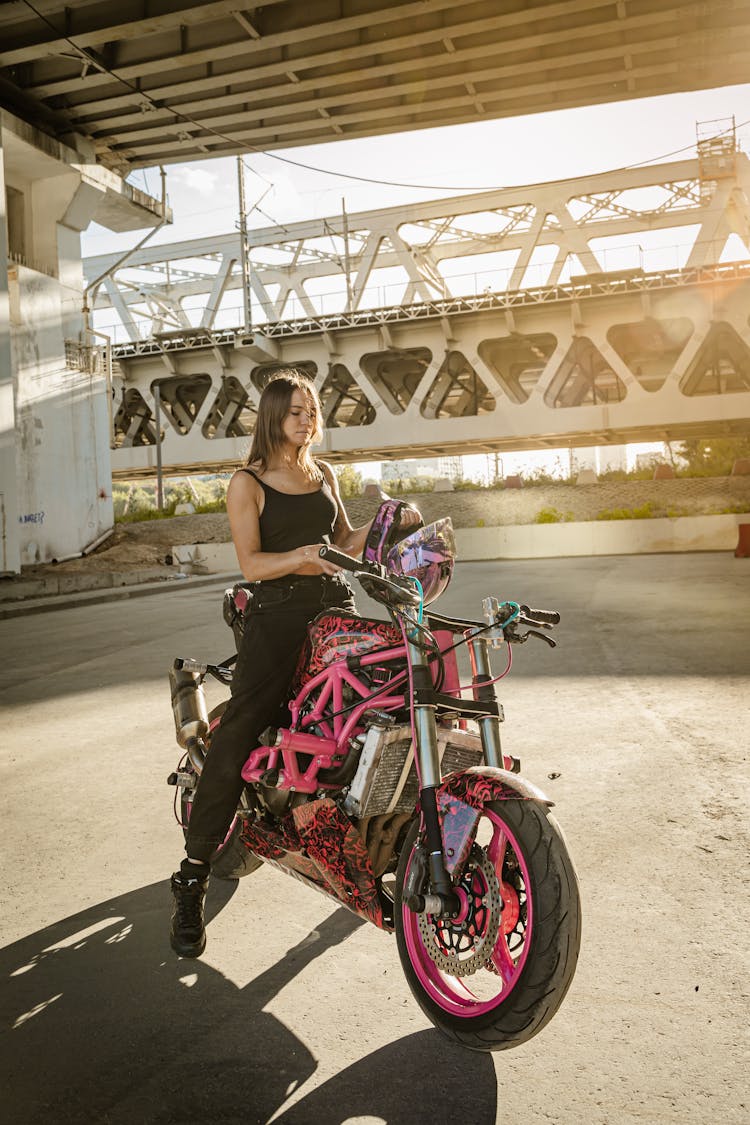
{"type": "Point", "coordinates": [477, 785]}
{"type": "Point", "coordinates": [463, 795]}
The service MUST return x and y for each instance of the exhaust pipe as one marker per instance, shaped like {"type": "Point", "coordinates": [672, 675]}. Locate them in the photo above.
{"type": "Point", "coordinates": [188, 706]}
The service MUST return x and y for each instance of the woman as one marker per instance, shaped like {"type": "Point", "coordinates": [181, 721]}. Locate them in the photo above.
{"type": "Point", "coordinates": [282, 507]}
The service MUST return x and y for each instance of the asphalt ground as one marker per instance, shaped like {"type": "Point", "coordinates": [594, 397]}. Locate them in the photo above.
{"type": "Point", "coordinates": [298, 1012]}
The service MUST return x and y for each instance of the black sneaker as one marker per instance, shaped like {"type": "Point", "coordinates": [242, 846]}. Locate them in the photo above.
{"type": "Point", "coordinates": [187, 934]}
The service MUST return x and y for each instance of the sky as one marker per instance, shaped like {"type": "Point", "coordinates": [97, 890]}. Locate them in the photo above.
{"type": "Point", "coordinates": [437, 162]}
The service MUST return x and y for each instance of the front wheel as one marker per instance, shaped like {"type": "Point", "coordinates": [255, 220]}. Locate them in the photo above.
{"type": "Point", "coordinates": [494, 975]}
{"type": "Point", "coordinates": [231, 860]}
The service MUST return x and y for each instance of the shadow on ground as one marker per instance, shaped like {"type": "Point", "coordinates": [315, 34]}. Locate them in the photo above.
{"type": "Point", "coordinates": [102, 1023]}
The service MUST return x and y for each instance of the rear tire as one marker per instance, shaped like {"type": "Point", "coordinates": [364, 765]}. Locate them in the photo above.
{"type": "Point", "coordinates": [519, 989]}
{"type": "Point", "coordinates": [231, 860]}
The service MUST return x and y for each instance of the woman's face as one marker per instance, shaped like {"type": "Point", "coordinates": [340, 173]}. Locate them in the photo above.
{"type": "Point", "coordinates": [299, 424]}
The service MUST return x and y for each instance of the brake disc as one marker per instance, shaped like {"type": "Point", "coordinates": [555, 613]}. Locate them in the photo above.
{"type": "Point", "coordinates": [463, 945]}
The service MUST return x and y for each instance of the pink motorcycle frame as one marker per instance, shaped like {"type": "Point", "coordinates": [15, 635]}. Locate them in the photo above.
{"type": "Point", "coordinates": [331, 747]}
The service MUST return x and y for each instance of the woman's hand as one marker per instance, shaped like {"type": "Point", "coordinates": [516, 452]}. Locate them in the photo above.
{"type": "Point", "coordinates": [410, 517]}
{"type": "Point", "coordinates": [310, 561]}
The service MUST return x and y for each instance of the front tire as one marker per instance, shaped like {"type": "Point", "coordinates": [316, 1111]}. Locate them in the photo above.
{"type": "Point", "coordinates": [490, 988]}
{"type": "Point", "coordinates": [231, 860]}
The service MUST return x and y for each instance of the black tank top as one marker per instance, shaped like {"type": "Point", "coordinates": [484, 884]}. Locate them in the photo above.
{"type": "Point", "coordinates": [291, 520]}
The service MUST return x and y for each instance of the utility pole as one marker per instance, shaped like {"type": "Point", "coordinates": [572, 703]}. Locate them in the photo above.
{"type": "Point", "coordinates": [244, 249]}
{"type": "Point", "coordinates": [347, 264]}
{"type": "Point", "coordinates": [157, 424]}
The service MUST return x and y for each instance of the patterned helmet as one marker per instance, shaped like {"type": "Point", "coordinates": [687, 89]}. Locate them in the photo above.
{"type": "Point", "coordinates": [428, 555]}
{"type": "Point", "coordinates": [385, 532]}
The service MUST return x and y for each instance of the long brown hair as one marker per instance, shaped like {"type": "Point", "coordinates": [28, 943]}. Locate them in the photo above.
{"type": "Point", "coordinates": [273, 407]}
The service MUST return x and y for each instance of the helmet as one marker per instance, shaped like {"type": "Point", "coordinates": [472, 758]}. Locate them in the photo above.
{"type": "Point", "coordinates": [426, 554]}
{"type": "Point", "coordinates": [386, 531]}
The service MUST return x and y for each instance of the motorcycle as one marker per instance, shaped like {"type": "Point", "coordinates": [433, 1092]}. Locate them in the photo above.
{"type": "Point", "coordinates": [387, 789]}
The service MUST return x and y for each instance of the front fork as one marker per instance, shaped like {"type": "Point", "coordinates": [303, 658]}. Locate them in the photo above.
{"type": "Point", "coordinates": [442, 899]}
{"type": "Point", "coordinates": [484, 691]}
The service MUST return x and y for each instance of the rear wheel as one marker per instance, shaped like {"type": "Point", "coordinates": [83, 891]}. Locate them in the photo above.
{"type": "Point", "coordinates": [492, 977]}
{"type": "Point", "coordinates": [231, 860]}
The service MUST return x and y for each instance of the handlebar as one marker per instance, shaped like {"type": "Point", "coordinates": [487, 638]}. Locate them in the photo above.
{"type": "Point", "coordinates": [346, 562]}
{"type": "Point", "coordinates": [405, 591]}
{"type": "Point", "coordinates": [531, 619]}
{"type": "Point", "coordinates": [541, 616]}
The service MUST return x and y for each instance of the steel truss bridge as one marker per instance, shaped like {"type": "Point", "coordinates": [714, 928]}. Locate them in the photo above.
{"type": "Point", "coordinates": [531, 317]}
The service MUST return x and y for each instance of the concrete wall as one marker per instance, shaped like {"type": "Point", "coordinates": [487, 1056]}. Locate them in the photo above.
{"type": "Point", "coordinates": [63, 466]}
{"type": "Point", "coordinates": [9, 554]}
{"type": "Point", "coordinates": [538, 541]}
{"type": "Point", "coordinates": [600, 537]}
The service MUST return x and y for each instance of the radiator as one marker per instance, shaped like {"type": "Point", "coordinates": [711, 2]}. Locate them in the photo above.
{"type": "Point", "coordinates": [386, 780]}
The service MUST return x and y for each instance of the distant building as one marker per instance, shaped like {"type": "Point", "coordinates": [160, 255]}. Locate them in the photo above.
{"type": "Point", "coordinates": [398, 470]}
{"type": "Point", "coordinates": [601, 458]}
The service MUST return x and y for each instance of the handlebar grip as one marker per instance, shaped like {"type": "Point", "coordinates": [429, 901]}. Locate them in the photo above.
{"type": "Point", "coordinates": [338, 558]}
{"type": "Point", "coordinates": [409, 594]}
{"type": "Point", "coordinates": [548, 616]}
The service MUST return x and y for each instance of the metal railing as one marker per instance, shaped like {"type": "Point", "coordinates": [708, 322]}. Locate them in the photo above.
{"type": "Point", "coordinates": [585, 287]}
{"type": "Point", "coordinates": [88, 358]}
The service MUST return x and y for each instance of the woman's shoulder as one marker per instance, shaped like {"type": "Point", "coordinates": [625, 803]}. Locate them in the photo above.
{"type": "Point", "coordinates": [325, 470]}
{"type": "Point", "coordinates": [245, 473]}
{"type": "Point", "coordinates": [244, 482]}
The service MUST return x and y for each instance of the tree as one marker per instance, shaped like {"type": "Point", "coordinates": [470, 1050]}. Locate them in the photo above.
{"type": "Point", "coordinates": [350, 481]}
{"type": "Point", "coordinates": [712, 457]}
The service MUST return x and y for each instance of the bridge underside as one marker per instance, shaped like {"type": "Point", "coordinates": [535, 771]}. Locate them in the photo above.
{"type": "Point", "coordinates": [176, 81]}
{"type": "Point", "coordinates": [418, 450]}
{"type": "Point", "coordinates": [664, 357]}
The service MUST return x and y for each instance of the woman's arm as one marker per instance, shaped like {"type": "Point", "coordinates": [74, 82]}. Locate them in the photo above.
{"type": "Point", "coordinates": [244, 499]}
{"type": "Point", "coordinates": [349, 539]}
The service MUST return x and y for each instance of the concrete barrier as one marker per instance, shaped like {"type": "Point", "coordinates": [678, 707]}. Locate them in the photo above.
{"type": "Point", "coordinates": [540, 541]}
{"type": "Point", "coordinates": [599, 537]}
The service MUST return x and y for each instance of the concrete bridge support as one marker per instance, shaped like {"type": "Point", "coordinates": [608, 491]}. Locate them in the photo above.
{"type": "Point", "coordinates": [54, 410]}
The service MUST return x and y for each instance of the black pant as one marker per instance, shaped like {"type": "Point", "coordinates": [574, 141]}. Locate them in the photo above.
{"type": "Point", "coordinates": [275, 629]}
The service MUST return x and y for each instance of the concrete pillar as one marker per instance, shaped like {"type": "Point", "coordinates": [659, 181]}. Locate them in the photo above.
{"type": "Point", "coordinates": [62, 420]}
{"type": "Point", "coordinates": [10, 558]}
{"type": "Point", "coordinates": [55, 479]}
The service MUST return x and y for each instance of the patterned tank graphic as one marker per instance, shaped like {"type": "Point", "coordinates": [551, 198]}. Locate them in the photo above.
{"type": "Point", "coordinates": [335, 636]}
